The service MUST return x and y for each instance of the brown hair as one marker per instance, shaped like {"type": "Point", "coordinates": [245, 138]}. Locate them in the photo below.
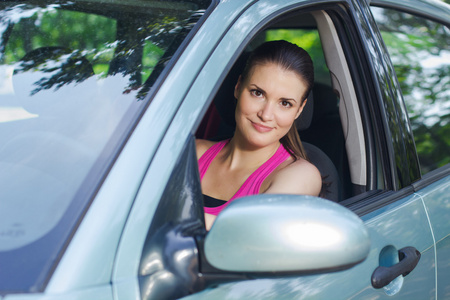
{"type": "Point", "coordinates": [292, 58]}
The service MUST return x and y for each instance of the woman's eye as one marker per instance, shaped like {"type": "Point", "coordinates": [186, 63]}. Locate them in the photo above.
{"type": "Point", "coordinates": [256, 93]}
{"type": "Point", "coordinates": [286, 103]}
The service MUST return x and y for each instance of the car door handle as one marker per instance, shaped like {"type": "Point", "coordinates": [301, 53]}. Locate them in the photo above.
{"type": "Point", "coordinates": [382, 276]}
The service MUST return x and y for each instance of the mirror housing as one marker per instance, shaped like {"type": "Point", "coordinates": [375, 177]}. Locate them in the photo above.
{"type": "Point", "coordinates": [286, 233]}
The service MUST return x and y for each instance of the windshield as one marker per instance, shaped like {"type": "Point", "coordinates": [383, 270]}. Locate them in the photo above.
{"type": "Point", "coordinates": [74, 78]}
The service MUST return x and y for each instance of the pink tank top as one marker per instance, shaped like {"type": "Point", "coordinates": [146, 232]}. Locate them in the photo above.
{"type": "Point", "coordinates": [253, 183]}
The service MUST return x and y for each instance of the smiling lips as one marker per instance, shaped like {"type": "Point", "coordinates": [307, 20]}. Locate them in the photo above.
{"type": "Point", "coordinates": [261, 128]}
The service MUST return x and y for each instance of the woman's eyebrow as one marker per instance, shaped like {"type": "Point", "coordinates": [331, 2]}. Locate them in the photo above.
{"type": "Point", "coordinates": [264, 92]}
{"type": "Point", "coordinates": [286, 99]}
{"type": "Point", "coordinates": [256, 86]}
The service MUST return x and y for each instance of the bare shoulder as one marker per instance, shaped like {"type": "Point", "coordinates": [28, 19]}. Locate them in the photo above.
{"type": "Point", "coordinates": [202, 146]}
{"type": "Point", "coordinates": [299, 177]}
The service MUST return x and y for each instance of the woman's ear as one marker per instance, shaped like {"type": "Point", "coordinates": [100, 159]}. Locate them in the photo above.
{"type": "Point", "coordinates": [237, 87]}
{"type": "Point", "coordinates": [300, 109]}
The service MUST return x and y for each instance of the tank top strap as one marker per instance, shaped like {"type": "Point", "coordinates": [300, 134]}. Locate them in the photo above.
{"type": "Point", "coordinates": [253, 183]}
{"type": "Point", "coordinates": [207, 157]}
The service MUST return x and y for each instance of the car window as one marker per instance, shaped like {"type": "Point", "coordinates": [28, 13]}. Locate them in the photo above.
{"type": "Point", "coordinates": [330, 127]}
{"type": "Point", "coordinates": [420, 51]}
{"type": "Point", "coordinates": [74, 79]}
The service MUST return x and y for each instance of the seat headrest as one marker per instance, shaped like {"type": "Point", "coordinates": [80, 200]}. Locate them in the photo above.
{"type": "Point", "coordinates": [224, 99]}
{"type": "Point", "coordinates": [304, 120]}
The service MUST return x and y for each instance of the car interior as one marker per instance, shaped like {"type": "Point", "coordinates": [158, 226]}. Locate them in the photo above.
{"type": "Point", "coordinates": [330, 126]}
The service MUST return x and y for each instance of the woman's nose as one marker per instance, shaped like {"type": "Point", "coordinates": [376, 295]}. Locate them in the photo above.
{"type": "Point", "coordinates": [266, 111]}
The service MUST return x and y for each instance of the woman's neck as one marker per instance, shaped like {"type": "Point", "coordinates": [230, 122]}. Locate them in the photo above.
{"type": "Point", "coordinates": [238, 155]}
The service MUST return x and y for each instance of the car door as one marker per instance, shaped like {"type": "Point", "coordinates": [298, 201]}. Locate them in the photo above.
{"type": "Point", "coordinates": [375, 134]}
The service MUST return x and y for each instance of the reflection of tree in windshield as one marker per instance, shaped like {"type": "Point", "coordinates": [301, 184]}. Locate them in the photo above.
{"type": "Point", "coordinates": [61, 65]}
{"type": "Point", "coordinates": [132, 38]}
{"type": "Point", "coordinates": [145, 47]}
{"type": "Point", "coordinates": [135, 46]}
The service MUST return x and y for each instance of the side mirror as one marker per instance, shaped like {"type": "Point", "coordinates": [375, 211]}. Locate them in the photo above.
{"type": "Point", "coordinates": [286, 233]}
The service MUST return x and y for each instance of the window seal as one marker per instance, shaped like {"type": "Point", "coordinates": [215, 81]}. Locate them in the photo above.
{"type": "Point", "coordinates": [432, 177]}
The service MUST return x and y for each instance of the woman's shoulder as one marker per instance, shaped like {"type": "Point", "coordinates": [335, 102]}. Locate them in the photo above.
{"type": "Point", "coordinates": [202, 146]}
{"type": "Point", "coordinates": [298, 177]}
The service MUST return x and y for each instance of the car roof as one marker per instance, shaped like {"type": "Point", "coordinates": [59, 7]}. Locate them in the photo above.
{"type": "Point", "coordinates": [433, 9]}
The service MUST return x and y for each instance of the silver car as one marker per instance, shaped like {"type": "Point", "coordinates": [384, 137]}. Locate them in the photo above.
{"type": "Point", "coordinates": [100, 105]}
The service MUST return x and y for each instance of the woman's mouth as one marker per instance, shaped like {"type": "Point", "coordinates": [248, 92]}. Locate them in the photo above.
{"type": "Point", "coordinates": [261, 128]}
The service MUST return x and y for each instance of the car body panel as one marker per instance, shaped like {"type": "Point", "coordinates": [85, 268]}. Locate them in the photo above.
{"type": "Point", "coordinates": [438, 205]}
{"type": "Point", "coordinates": [93, 293]}
{"type": "Point", "coordinates": [433, 9]}
{"type": "Point", "coordinates": [436, 199]}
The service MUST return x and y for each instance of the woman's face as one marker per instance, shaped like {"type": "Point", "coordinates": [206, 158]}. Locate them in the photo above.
{"type": "Point", "coordinates": [269, 101]}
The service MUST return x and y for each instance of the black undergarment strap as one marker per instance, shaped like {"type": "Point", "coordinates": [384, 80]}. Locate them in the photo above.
{"type": "Point", "coordinates": [212, 202]}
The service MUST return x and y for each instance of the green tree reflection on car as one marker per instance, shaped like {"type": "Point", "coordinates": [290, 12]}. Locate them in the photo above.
{"type": "Point", "coordinates": [420, 51]}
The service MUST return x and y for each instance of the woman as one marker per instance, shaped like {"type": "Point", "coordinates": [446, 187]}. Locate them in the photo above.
{"type": "Point", "coordinates": [265, 154]}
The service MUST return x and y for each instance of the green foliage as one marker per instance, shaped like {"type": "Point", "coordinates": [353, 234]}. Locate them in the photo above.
{"type": "Point", "coordinates": [113, 43]}
{"type": "Point", "coordinates": [62, 28]}
{"type": "Point", "coordinates": [420, 52]}
{"type": "Point", "coordinates": [308, 40]}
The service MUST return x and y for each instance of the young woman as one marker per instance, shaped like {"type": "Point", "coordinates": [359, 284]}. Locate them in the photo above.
{"type": "Point", "coordinates": [265, 154]}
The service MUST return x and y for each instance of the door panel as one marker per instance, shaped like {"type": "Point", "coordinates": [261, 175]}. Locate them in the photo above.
{"type": "Point", "coordinates": [393, 227]}
{"type": "Point", "coordinates": [437, 201]}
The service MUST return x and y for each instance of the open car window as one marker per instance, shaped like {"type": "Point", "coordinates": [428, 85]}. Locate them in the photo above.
{"type": "Point", "coordinates": [330, 126]}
